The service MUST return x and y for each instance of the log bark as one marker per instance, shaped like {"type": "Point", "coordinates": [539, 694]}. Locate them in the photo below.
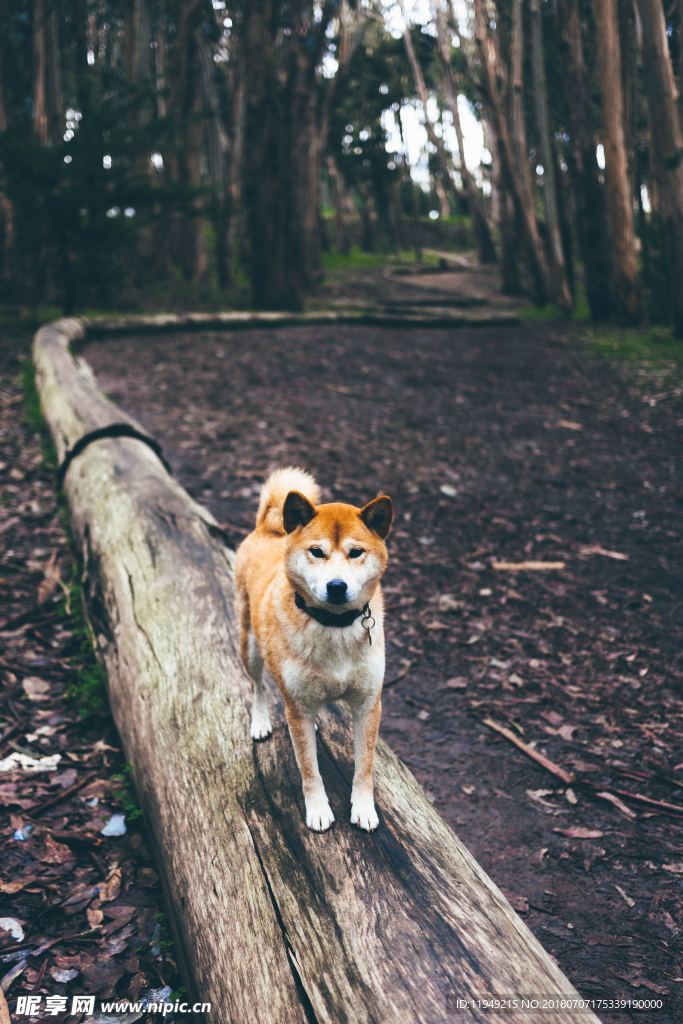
{"type": "Point", "coordinates": [278, 924]}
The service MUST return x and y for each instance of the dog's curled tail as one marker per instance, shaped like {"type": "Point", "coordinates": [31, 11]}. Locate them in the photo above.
{"type": "Point", "coordinates": [275, 490]}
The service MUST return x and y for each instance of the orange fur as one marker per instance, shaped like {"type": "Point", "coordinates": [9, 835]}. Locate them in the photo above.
{"type": "Point", "coordinates": [310, 662]}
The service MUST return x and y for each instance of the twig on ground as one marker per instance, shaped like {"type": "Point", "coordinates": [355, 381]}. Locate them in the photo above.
{"type": "Point", "coordinates": [58, 797]}
{"type": "Point", "coordinates": [535, 755]}
{"type": "Point", "coordinates": [612, 795]}
{"type": "Point", "coordinates": [527, 566]}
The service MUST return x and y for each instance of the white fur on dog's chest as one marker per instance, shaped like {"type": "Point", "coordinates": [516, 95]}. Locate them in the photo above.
{"type": "Point", "coordinates": [328, 666]}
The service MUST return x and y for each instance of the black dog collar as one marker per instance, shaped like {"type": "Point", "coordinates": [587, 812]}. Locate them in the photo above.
{"type": "Point", "coordinates": [326, 618]}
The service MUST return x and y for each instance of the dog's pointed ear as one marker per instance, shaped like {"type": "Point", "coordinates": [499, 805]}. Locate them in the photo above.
{"type": "Point", "coordinates": [378, 515]}
{"type": "Point", "coordinates": [296, 511]}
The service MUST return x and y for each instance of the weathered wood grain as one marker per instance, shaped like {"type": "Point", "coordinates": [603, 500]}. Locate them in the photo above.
{"type": "Point", "coordinates": [278, 923]}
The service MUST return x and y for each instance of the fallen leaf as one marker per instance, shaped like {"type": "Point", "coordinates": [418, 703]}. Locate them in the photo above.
{"type": "Point", "coordinates": [51, 578]}
{"type": "Point", "coordinates": [11, 925]}
{"type": "Point", "coordinates": [29, 764]}
{"type": "Point", "coordinates": [569, 425]}
{"type": "Point", "coordinates": [54, 852]}
{"type": "Point", "coordinates": [95, 916]}
{"type": "Point", "coordinates": [519, 903]}
{"type": "Point", "coordinates": [9, 888]}
{"type": "Point", "coordinates": [36, 688]}
{"type": "Point", "coordinates": [63, 977]}
{"type": "Point", "coordinates": [4, 1009]}
{"type": "Point", "coordinates": [650, 985]}
{"type": "Point", "coordinates": [537, 796]}
{"type": "Point", "coordinates": [110, 889]}
{"type": "Point", "coordinates": [456, 683]}
{"type": "Point", "coordinates": [12, 975]}
{"type": "Point", "coordinates": [116, 826]}
{"type": "Point", "coordinates": [577, 832]}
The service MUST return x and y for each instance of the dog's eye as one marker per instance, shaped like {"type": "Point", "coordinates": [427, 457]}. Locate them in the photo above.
{"type": "Point", "coordinates": [355, 552]}
{"type": "Point", "coordinates": [317, 552]}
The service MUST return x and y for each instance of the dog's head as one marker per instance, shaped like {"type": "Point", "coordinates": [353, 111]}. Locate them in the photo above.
{"type": "Point", "coordinates": [336, 553]}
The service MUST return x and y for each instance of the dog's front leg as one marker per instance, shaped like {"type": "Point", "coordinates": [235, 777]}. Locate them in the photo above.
{"type": "Point", "coordinates": [366, 718]}
{"type": "Point", "coordinates": [319, 814]}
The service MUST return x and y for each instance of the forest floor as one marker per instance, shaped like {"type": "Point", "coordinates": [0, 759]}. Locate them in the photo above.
{"type": "Point", "coordinates": [499, 445]}
{"type": "Point", "coordinates": [81, 905]}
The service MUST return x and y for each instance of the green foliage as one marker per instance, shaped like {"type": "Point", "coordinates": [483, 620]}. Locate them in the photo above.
{"type": "Point", "coordinates": [88, 685]}
{"type": "Point", "coordinates": [580, 313]}
{"type": "Point", "coordinates": [357, 259]}
{"type": "Point", "coordinates": [652, 346]}
{"type": "Point", "coordinates": [165, 943]}
{"type": "Point", "coordinates": [547, 312]}
{"type": "Point", "coordinates": [80, 206]}
{"type": "Point", "coordinates": [125, 793]}
{"type": "Point", "coordinates": [33, 413]}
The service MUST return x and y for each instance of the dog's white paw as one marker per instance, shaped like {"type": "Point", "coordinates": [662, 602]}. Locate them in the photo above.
{"type": "Point", "coordinates": [319, 814]}
{"type": "Point", "coordinates": [261, 727]}
{"type": "Point", "coordinates": [363, 812]}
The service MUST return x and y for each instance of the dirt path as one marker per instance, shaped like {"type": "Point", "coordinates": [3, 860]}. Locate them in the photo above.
{"type": "Point", "coordinates": [506, 444]}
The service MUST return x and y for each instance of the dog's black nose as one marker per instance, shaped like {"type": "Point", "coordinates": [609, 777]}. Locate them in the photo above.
{"type": "Point", "coordinates": [336, 591]}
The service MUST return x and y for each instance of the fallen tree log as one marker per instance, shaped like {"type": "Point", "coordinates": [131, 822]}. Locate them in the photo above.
{"type": "Point", "coordinates": [277, 924]}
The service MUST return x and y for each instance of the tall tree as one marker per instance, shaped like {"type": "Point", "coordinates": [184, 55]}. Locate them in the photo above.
{"type": "Point", "coordinates": [284, 141]}
{"type": "Point", "coordinates": [666, 143]}
{"type": "Point", "coordinates": [559, 268]}
{"type": "Point", "coordinates": [443, 158]}
{"type": "Point", "coordinates": [482, 231]}
{"type": "Point", "coordinates": [40, 118]}
{"type": "Point", "coordinates": [591, 224]}
{"type": "Point", "coordinates": [511, 177]}
{"type": "Point", "coordinates": [624, 269]}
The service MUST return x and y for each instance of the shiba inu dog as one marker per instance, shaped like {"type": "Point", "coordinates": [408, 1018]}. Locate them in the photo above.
{"type": "Point", "coordinates": [309, 607]}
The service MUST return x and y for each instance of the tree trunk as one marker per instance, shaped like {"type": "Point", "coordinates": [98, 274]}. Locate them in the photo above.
{"type": "Point", "coordinates": [442, 157]}
{"type": "Point", "coordinates": [138, 38]}
{"type": "Point", "coordinates": [561, 291]}
{"type": "Point", "coordinates": [480, 224]}
{"type": "Point", "coordinates": [40, 118]}
{"type": "Point", "coordinates": [624, 269]}
{"type": "Point", "coordinates": [510, 174]}
{"type": "Point", "coordinates": [216, 149]}
{"type": "Point", "coordinates": [276, 925]}
{"type": "Point", "coordinates": [666, 143]}
{"type": "Point", "coordinates": [591, 224]}
{"type": "Point", "coordinates": [187, 108]}
{"type": "Point", "coordinates": [517, 120]}
{"type": "Point", "coordinates": [341, 230]}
